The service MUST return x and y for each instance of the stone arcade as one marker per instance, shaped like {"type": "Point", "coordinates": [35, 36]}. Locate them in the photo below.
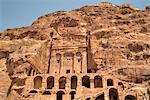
{"type": "Point", "coordinates": [96, 52]}
{"type": "Point", "coordinates": [68, 77]}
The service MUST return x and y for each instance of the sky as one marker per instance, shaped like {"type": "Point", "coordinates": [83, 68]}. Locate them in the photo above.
{"type": "Point", "coordinates": [19, 13]}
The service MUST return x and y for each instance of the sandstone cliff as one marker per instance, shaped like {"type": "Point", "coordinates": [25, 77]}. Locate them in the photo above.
{"type": "Point", "coordinates": [120, 43]}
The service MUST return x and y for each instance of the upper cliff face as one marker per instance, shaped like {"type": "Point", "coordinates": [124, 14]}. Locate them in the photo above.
{"type": "Point", "coordinates": [102, 17]}
{"type": "Point", "coordinates": [120, 41]}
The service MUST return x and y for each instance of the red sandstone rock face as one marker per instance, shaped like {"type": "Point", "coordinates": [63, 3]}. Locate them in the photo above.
{"type": "Point", "coordinates": [120, 42]}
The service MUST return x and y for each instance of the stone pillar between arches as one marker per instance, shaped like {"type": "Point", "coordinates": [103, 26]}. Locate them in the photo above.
{"type": "Point", "coordinates": [53, 96]}
{"type": "Point", "coordinates": [84, 62]}
{"type": "Point", "coordinates": [66, 96]}
{"type": "Point", "coordinates": [106, 95]}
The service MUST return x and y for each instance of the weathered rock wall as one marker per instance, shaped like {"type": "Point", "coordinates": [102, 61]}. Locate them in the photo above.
{"type": "Point", "coordinates": [119, 43]}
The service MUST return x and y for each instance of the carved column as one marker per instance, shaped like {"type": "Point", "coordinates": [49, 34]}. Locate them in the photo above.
{"type": "Point", "coordinates": [56, 83]}
{"type": "Point", "coordinates": [75, 70]}
{"type": "Point", "coordinates": [44, 83]}
{"type": "Point", "coordinates": [67, 87]}
{"type": "Point", "coordinates": [66, 96]}
{"type": "Point", "coordinates": [84, 62]}
{"type": "Point", "coordinates": [53, 95]}
{"type": "Point", "coordinates": [79, 87]}
{"type": "Point", "coordinates": [73, 63]}
{"type": "Point", "coordinates": [92, 82]}
{"type": "Point", "coordinates": [62, 63]}
{"type": "Point", "coordinates": [52, 62]}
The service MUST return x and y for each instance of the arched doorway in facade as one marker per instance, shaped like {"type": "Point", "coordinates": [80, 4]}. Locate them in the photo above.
{"type": "Point", "coordinates": [33, 92]}
{"type": "Point", "coordinates": [113, 94]}
{"type": "Point", "coordinates": [73, 82]}
{"type": "Point", "coordinates": [62, 82]}
{"type": "Point", "coordinates": [37, 82]}
{"type": "Point", "coordinates": [100, 97]}
{"type": "Point", "coordinates": [46, 93]}
{"type": "Point", "coordinates": [98, 82]}
{"type": "Point", "coordinates": [88, 99]}
{"type": "Point", "coordinates": [130, 97]}
{"type": "Point", "coordinates": [60, 95]}
{"type": "Point", "coordinates": [50, 82]}
{"type": "Point", "coordinates": [86, 81]}
{"type": "Point", "coordinates": [72, 94]}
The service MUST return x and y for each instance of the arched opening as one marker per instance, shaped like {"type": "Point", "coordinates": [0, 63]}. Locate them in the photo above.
{"type": "Point", "coordinates": [79, 61]}
{"type": "Point", "coordinates": [73, 82]}
{"type": "Point", "coordinates": [46, 93]}
{"type": "Point", "coordinates": [113, 94]}
{"type": "Point", "coordinates": [72, 93]}
{"type": "Point", "coordinates": [62, 82]}
{"type": "Point", "coordinates": [130, 97]}
{"type": "Point", "coordinates": [33, 92]}
{"type": "Point", "coordinates": [37, 82]}
{"type": "Point", "coordinates": [60, 95]}
{"type": "Point", "coordinates": [50, 82]}
{"type": "Point", "coordinates": [98, 82]}
{"type": "Point", "coordinates": [68, 62]}
{"type": "Point", "coordinates": [110, 82]}
{"type": "Point", "coordinates": [58, 61]}
{"type": "Point", "coordinates": [100, 97]}
{"type": "Point", "coordinates": [86, 81]}
{"type": "Point", "coordinates": [88, 99]}
{"type": "Point", "coordinates": [120, 84]}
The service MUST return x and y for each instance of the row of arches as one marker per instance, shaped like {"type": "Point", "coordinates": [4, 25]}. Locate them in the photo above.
{"type": "Point", "coordinates": [59, 94]}
{"type": "Point", "coordinates": [113, 95]}
{"type": "Point", "coordinates": [98, 82]}
{"type": "Point", "coordinates": [130, 97]}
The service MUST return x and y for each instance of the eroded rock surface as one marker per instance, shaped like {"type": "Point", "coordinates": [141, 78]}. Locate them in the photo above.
{"type": "Point", "coordinates": [108, 39]}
